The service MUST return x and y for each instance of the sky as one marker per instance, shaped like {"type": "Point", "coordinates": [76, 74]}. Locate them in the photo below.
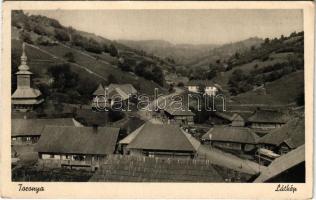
{"type": "Point", "coordinates": [181, 26]}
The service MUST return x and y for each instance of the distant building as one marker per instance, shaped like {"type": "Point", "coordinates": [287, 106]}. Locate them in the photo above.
{"type": "Point", "coordinates": [284, 139]}
{"type": "Point", "coordinates": [267, 119]}
{"type": "Point", "coordinates": [179, 116]}
{"type": "Point", "coordinates": [211, 88]}
{"type": "Point", "coordinates": [25, 98]}
{"type": "Point", "coordinates": [76, 147]}
{"type": "Point", "coordinates": [107, 96]}
{"type": "Point", "coordinates": [28, 131]}
{"type": "Point", "coordinates": [160, 140]}
{"type": "Point", "coordinates": [174, 79]}
{"type": "Point", "coordinates": [239, 139]}
{"type": "Point", "coordinates": [124, 91]}
{"type": "Point", "coordinates": [288, 168]}
{"type": "Point", "coordinates": [234, 119]}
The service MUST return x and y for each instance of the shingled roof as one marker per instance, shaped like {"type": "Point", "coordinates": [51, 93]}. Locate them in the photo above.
{"type": "Point", "coordinates": [78, 140]}
{"type": "Point", "coordinates": [230, 116]}
{"type": "Point", "coordinates": [292, 134]}
{"type": "Point", "coordinates": [21, 93]}
{"type": "Point", "coordinates": [282, 164]}
{"type": "Point", "coordinates": [161, 137]}
{"type": "Point", "coordinates": [268, 116]}
{"type": "Point", "coordinates": [34, 127]}
{"type": "Point", "coordinates": [176, 111]}
{"type": "Point", "coordinates": [201, 82]}
{"type": "Point", "coordinates": [231, 134]}
{"type": "Point", "coordinates": [124, 90]}
{"type": "Point", "coordinates": [99, 91]}
{"type": "Point", "coordinates": [121, 168]}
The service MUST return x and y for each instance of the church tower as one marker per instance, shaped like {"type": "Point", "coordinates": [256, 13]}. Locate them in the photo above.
{"type": "Point", "coordinates": [25, 98]}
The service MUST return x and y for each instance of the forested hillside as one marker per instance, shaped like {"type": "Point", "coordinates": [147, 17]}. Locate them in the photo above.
{"type": "Point", "coordinates": [83, 59]}
{"type": "Point", "coordinates": [278, 63]}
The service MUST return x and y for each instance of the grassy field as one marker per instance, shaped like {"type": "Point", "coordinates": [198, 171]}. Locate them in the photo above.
{"type": "Point", "coordinates": [281, 91]}
{"type": "Point", "coordinates": [87, 66]}
{"type": "Point", "coordinates": [223, 78]}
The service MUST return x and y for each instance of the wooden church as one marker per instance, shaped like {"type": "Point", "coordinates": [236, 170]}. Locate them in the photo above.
{"type": "Point", "coordinates": [25, 98]}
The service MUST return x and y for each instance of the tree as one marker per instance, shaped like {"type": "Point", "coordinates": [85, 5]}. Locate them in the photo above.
{"type": "Point", "coordinates": [171, 88]}
{"type": "Point", "coordinates": [266, 41]}
{"type": "Point", "coordinates": [113, 51]}
{"type": "Point", "coordinates": [126, 64]}
{"type": "Point", "coordinates": [69, 56]}
{"type": "Point", "coordinates": [238, 82]}
{"type": "Point", "coordinates": [158, 75]}
{"type": "Point", "coordinates": [139, 69]}
{"type": "Point", "coordinates": [26, 37]}
{"type": "Point", "coordinates": [93, 46]}
{"type": "Point", "coordinates": [300, 99]}
{"type": "Point", "coordinates": [112, 79]}
{"type": "Point", "coordinates": [61, 35]}
{"type": "Point", "coordinates": [63, 77]}
{"type": "Point", "coordinates": [212, 72]}
{"type": "Point", "coordinates": [202, 88]}
{"type": "Point", "coordinates": [180, 84]}
{"type": "Point", "coordinates": [105, 48]}
{"type": "Point", "coordinates": [43, 41]}
{"type": "Point", "coordinates": [40, 30]}
{"type": "Point", "coordinates": [282, 37]}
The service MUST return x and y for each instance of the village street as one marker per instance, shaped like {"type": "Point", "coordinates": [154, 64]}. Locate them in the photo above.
{"type": "Point", "coordinates": [228, 160]}
{"type": "Point", "coordinates": [214, 155]}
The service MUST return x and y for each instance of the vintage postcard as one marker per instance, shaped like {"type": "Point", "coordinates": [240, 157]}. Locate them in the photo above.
{"type": "Point", "coordinates": [157, 99]}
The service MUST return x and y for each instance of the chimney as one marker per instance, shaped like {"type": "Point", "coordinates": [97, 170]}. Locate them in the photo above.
{"type": "Point", "coordinates": [95, 128]}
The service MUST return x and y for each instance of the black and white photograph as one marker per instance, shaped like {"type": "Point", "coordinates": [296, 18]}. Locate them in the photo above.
{"type": "Point", "coordinates": [158, 96]}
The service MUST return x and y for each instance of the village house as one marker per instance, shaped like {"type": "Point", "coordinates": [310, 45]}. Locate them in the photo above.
{"type": "Point", "coordinates": [231, 118]}
{"type": "Point", "coordinates": [239, 139]}
{"type": "Point", "coordinates": [286, 138]}
{"type": "Point", "coordinates": [76, 147]}
{"type": "Point", "coordinates": [108, 96]}
{"type": "Point", "coordinates": [181, 116]}
{"type": "Point", "coordinates": [25, 97]}
{"type": "Point", "coordinates": [28, 131]}
{"type": "Point", "coordinates": [267, 119]}
{"type": "Point", "coordinates": [98, 98]}
{"type": "Point", "coordinates": [210, 89]}
{"type": "Point", "coordinates": [159, 140]}
{"type": "Point", "coordinates": [288, 168]}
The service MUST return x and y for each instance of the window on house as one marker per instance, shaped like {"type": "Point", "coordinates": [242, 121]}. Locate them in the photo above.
{"type": "Point", "coordinates": [51, 156]}
{"type": "Point", "coordinates": [14, 138]}
{"type": "Point", "coordinates": [79, 157]}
